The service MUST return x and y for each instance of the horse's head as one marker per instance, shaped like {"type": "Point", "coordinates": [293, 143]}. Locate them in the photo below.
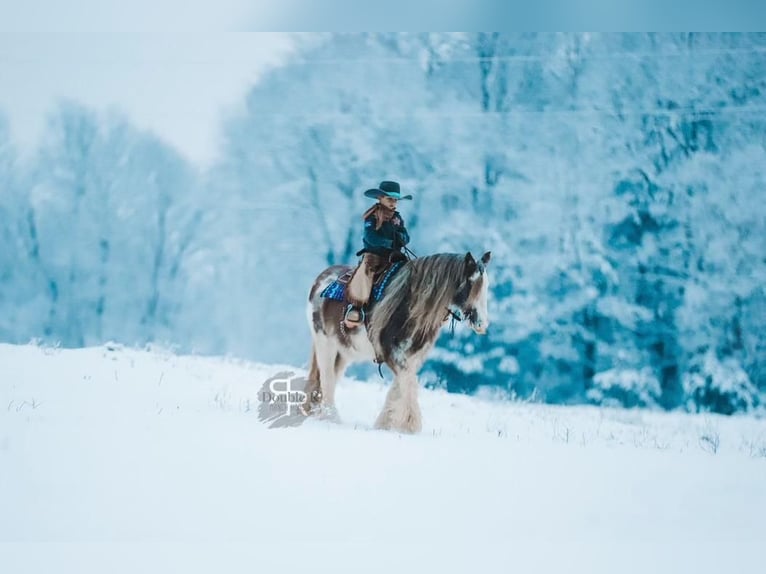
{"type": "Point", "coordinates": [471, 297]}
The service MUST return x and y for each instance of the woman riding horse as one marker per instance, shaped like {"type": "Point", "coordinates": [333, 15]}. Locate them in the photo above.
{"type": "Point", "coordinates": [384, 237]}
{"type": "Point", "coordinates": [401, 328]}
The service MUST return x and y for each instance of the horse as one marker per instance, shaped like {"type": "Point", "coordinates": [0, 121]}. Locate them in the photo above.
{"type": "Point", "coordinates": [399, 331]}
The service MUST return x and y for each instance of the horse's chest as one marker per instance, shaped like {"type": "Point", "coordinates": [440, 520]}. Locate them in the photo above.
{"type": "Point", "coordinates": [358, 347]}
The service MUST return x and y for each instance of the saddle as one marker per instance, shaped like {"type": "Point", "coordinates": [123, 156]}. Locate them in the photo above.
{"type": "Point", "coordinates": [337, 289]}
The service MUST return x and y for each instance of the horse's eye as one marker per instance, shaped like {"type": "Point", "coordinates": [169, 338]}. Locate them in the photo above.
{"type": "Point", "coordinates": [462, 294]}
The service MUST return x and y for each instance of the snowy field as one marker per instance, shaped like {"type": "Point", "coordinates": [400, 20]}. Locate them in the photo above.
{"type": "Point", "coordinates": [120, 460]}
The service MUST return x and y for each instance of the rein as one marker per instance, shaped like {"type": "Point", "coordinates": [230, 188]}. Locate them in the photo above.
{"type": "Point", "coordinates": [455, 316]}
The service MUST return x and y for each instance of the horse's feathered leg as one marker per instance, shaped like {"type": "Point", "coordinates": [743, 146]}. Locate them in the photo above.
{"type": "Point", "coordinates": [313, 389]}
{"type": "Point", "coordinates": [401, 410]}
{"type": "Point", "coordinates": [327, 357]}
{"type": "Point", "coordinates": [384, 420]}
{"type": "Point", "coordinates": [340, 366]}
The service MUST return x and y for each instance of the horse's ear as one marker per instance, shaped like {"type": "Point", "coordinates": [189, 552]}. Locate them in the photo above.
{"type": "Point", "coordinates": [470, 264]}
{"type": "Point", "coordinates": [486, 257]}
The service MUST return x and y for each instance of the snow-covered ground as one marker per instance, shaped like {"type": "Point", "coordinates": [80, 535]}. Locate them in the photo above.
{"type": "Point", "coordinates": [122, 460]}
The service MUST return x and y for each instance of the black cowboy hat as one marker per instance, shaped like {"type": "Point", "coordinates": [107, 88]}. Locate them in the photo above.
{"type": "Point", "coordinates": [387, 188]}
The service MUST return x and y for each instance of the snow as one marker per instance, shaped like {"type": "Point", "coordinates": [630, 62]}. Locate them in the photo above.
{"type": "Point", "coordinates": [124, 460]}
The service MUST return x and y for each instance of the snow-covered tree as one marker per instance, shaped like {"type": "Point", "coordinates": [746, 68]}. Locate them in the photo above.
{"type": "Point", "coordinates": [616, 178]}
{"type": "Point", "coordinates": [107, 229]}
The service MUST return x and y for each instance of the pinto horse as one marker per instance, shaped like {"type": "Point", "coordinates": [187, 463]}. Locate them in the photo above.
{"type": "Point", "coordinates": [399, 330]}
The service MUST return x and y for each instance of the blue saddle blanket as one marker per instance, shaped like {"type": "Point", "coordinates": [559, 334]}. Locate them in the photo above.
{"type": "Point", "coordinates": [337, 290]}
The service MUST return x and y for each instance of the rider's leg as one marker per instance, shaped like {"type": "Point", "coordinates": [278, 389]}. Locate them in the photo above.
{"type": "Point", "coordinates": [358, 290]}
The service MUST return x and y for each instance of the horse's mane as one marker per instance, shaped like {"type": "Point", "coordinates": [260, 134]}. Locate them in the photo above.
{"type": "Point", "coordinates": [419, 296]}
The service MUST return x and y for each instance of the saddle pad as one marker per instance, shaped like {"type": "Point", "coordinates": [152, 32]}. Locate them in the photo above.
{"type": "Point", "coordinates": [337, 289]}
{"type": "Point", "coordinates": [379, 289]}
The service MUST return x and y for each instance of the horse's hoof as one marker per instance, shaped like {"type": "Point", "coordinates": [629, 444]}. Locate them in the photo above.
{"type": "Point", "coordinates": [306, 410]}
{"type": "Point", "coordinates": [383, 423]}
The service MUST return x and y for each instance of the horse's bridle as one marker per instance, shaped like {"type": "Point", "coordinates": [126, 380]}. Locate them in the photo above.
{"type": "Point", "coordinates": [455, 311]}
{"type": "Point", "coordinates": [456, 314]}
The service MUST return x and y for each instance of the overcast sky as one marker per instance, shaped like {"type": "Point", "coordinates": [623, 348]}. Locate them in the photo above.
{"type": "Point", "coordinates": [178, 85]}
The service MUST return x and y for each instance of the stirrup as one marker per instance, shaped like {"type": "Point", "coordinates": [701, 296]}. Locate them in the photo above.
{"type": "Point", "coordinates": [359, 310]}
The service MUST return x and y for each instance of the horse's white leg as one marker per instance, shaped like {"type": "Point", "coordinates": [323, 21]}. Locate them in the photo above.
{"type": "Point", "coordinates": [401, 411]}
{"type": "Point", "coordinates": [406, 417]}
{"type": "Point", "coordinates": [384, 420]}
{"type": "Point", "coordinates": [340, 366]}
{"type": "Point", "coordinates": [326, 354]}
{"type": "Point", "coordinates": [312, 383]}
